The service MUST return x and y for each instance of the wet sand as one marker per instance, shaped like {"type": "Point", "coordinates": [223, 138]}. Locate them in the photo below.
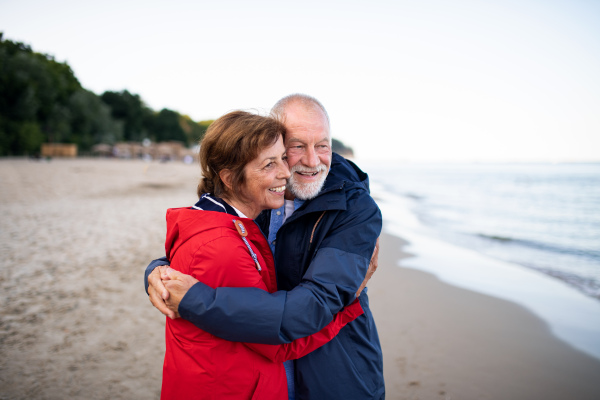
{"type": "Point", "coordinates": [444, 342]}
{"type": "Point", "coordinates": [75, 322]}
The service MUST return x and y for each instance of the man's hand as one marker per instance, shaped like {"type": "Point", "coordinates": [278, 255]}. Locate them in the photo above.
{"type": "Point", "coordinates": [177, 284]}
{"type": "Point", "coordinates": [157, 292]}
{"type": "Point", "coordinates": [372, 267]}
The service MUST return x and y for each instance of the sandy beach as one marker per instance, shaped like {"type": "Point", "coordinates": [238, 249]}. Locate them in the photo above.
{"type": "Point", "coordinates": [75, 322]}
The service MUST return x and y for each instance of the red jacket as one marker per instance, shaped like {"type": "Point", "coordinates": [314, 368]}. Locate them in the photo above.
{"type": "Point", "coordinates": [198, 365]}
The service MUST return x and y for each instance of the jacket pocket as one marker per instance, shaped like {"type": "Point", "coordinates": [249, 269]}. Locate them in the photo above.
{"type": "Point", "coordinates": [261, 388]}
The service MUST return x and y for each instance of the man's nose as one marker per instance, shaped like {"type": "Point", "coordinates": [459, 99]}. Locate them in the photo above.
{"type": "Point", "coordinates": [310, 158]}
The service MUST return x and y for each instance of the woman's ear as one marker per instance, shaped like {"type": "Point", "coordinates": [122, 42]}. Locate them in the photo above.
{"type": "Point", "coordinates": [226, 177]}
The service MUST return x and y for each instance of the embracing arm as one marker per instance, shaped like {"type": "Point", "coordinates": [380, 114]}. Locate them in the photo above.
{"type": "Point", "coordinates": [330, 283]}
{"type": "Point", "coordinates": [301, 347]}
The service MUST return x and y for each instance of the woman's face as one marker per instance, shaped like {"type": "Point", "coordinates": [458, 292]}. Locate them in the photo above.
{"type": "Point", "coordinates": [266, 177]}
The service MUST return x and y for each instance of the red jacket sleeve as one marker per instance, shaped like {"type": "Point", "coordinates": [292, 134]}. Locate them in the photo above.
{"type": "Point", "coordinates": [301, 347]}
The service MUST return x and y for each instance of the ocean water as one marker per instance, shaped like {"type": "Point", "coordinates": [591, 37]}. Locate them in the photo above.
{"type": "Point", "coordinates": [541, 216]}
{"type": "Point", "coordinates": [529, 234]}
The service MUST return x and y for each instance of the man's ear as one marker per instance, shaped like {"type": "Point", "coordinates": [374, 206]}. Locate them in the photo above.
{"type": "Point", "coordinates": [226, 177]}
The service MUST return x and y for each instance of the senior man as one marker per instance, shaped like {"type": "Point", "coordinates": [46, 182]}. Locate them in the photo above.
{"type": "Point", "coordinates": [322, 239]}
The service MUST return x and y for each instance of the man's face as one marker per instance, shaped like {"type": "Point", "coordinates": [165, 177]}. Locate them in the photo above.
{"type": "Point", "coordinates": [308, 147]}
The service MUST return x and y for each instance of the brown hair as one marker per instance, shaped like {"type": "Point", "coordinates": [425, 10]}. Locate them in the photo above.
{"type": "Point", "coordinates": [231, 142]}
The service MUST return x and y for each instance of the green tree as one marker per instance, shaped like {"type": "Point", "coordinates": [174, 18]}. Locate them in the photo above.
{"type": "Point", "coordinates": [41, 100]}
{"type": "Point", "coordinates": [34, 95]}
{"type": "Point", "coordinates": [131, 111]}
{"type": "Point", "coordinates": [167, 126]}
{"type": "Point", "coordinates": [91, 121]}
{"type": "Point", "coordinates": [194, 130]}
{"type": "Point", "coordinates": [339, 147]}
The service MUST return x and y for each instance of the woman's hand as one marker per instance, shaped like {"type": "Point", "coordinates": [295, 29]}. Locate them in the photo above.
{"type": "Point", "coordinates": [157, 291]}
{"type": "Point", "coordinates": [177, 284]}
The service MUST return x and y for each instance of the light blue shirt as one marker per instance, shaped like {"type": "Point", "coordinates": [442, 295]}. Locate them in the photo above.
{"type": "Point", "coordinates": [278, 217]}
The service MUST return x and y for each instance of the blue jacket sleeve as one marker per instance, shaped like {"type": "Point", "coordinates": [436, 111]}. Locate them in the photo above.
{"type": "Point", "coordinates": [329, 284]}
{"type": "Point", "coordinates": [156, 263]}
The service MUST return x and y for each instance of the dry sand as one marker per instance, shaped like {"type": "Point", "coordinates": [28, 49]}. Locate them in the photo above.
{"type": "Point", "coordinates": [75, 322]}
{"type": "Point", "coordinates": [76, 236]}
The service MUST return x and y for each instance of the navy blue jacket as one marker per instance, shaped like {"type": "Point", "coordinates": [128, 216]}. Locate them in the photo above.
{"type": "Point", "coordinates": [320, 264]}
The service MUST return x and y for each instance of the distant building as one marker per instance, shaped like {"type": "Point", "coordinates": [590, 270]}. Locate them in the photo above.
{"type": "Point", "coordinates": [164, 151]}
{"type": "Point", "coordinates": [59, 150]}
{"type": "Point", "coordinates": [102, 149]}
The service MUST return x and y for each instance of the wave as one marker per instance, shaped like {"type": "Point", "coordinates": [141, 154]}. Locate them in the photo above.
{"type": "Point", "coordinates": [414, 196]}
{"type": "Point", "coordinates": [591, 287]}
{"type": "Point", "coordinates": [554, 248]}
{"type": "Point", "coordinates": [498, 238]}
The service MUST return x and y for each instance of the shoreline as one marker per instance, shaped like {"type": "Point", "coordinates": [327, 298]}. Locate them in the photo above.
{"type": "Point", "coordinates": [441, 341]}
{"type": "Point", "coordinates": [573, 316]}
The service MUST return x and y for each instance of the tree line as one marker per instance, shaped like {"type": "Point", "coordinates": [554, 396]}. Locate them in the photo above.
{"type": "Point", "coordinates": [41, 101]}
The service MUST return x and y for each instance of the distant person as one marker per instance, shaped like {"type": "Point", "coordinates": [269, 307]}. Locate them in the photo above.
{"type": "Point", "coordinates": [216, 241]}
{"type": "Point", "coordinates": [323, 238]}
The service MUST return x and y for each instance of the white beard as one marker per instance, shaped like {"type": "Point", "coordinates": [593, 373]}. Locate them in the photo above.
{"type": "Point", "coordinates": [306, 191]}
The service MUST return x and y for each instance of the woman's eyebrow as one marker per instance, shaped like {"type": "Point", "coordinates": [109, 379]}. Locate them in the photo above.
{"type": "Point", "coordinates": [273, 158]}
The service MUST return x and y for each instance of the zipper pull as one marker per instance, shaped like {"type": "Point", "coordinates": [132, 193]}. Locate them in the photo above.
{"type": "Point", "coordinates": [243, 233]}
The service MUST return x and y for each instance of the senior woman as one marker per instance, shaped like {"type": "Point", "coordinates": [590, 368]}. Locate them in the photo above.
{"type": "Point", "coordinates": [244, 171]}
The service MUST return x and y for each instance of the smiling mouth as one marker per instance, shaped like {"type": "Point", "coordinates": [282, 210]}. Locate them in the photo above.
{"type": "Point", "coordinates": [307, 173]}
{"type": "Point", "coordinates": [277, 189]}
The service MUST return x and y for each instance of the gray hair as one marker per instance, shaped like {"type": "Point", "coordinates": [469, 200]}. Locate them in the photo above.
{"type": "Point", "coordinates": [307, 101]}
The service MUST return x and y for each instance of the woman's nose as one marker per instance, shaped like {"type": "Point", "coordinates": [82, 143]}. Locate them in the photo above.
{"type": "Point", "coordinates": [284, 171]}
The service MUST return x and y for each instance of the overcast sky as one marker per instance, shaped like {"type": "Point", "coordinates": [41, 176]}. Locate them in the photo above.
{"type": "Point", "coordinates": [403, 80]}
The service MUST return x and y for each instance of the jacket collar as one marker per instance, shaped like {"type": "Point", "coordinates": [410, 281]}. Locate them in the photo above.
{"type": "Point", "coordinates": [208, 202]}
{"type": "Point", "coordinates": [343, 170]}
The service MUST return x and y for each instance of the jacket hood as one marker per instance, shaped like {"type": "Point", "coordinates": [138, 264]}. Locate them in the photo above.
{"type": "Point", "coordinates": [184, 223]}
{"type": "Point", "coordinates": [343, 172]}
